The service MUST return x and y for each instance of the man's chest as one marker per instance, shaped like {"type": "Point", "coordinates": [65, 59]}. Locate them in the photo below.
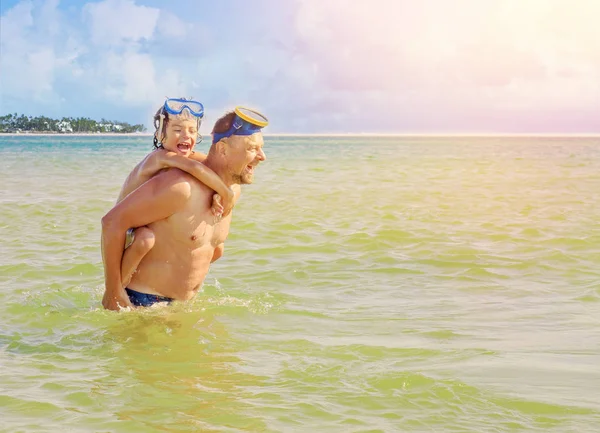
{"type": "Point", "coordinates": [193, 229]}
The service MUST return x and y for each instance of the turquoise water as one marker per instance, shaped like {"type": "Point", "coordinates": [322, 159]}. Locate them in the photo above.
{"type": "Point", "coordinates": [368, 285]}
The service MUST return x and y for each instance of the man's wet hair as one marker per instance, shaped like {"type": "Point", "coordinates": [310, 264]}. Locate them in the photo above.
{"type": "Point", "coordinates": [224, 123]}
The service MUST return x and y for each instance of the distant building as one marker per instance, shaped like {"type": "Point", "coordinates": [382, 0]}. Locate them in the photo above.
{"type": "Point", "coordinates": [64, 126]}
{"type": "Point", "coordinates": [109, 127]}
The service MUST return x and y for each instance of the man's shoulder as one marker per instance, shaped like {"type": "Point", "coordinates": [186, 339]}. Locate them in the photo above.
{"type": "Point", "coordinates": [175, 175]}
{"type": "Point", "coordinates": [175, 180]}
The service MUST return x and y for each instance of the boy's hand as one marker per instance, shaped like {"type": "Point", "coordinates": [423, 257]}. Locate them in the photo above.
{"type": "Point", "coordinates": [156, 161]}
{"type": "Point", "coordinates": [221, 206]}
{"type": "Point", "coordinates": [217, 206]}
{"type": "Point", "coordinates": [227, 202]}
{"type": "Point", "coordinates": [162, 158]}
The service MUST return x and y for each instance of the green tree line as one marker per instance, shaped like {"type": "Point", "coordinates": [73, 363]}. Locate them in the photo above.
{"type": "Point", "coordinates": [21, 123]}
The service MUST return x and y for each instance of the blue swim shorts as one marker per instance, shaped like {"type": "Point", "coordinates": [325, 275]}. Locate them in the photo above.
{"type": "Point", "coordinates": [144, 299]}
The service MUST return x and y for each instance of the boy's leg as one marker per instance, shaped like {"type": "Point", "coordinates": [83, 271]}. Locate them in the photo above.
{"type": "Point", "coordinates": [142, 243]}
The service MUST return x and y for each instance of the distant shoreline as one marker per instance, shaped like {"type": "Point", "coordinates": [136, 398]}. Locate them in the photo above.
{"type": "Point", "coordinates": [435, 135]}
{"type": "Point", "coordinates": [284, 134]}
{"type": "Point", "coordinates": [76, 134]}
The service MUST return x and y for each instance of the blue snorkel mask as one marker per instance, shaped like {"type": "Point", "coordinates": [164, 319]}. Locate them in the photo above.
{"type": "Point", "coordinates": [176, 106]}
{"type": "Point", "coordinates": [245, 122]}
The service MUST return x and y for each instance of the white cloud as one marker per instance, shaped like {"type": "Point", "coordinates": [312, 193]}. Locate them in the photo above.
{"type": "Point", "coordinates": [42, 65]}
{"type": "Point", "coordinates": [310, 64]}
{"type": "Point", "coordinates": [13, 26]}
{"type": "Point", "coordinates": [113, 22]}
{"type": "Point", "coordinates": [131, 78]}
{"type": "Point", "coordinates": [172, 27]}
{"type": "Point", "coordinates": [41, 46]}
{"type": "Point", "coordinates": [16, 19]}
{"type": "Point", "coordinates": [127, 77]}
{"type": "Point", "coordinates": [465, 56]}
{"type": "Point", "coordinates": [27, 67]}
{"type": "Point", "coordinates": [51, 17]}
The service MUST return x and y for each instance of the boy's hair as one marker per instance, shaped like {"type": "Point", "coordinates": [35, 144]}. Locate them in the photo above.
{"type": "Point", "coordinates": [160, 113]}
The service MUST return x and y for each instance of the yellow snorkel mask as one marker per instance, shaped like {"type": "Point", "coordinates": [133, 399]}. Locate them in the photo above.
{"type": "Point", "coordinates": [245, 122]}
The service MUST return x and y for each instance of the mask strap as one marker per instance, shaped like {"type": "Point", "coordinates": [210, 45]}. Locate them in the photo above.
{"type": "Point", "coordinates": [237, 122]}
{"type": "Point", "coordinates": [160, 127]}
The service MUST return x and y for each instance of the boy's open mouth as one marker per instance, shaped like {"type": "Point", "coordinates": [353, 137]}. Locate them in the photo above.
{"type": "Point", "coordinates": [183, 147]}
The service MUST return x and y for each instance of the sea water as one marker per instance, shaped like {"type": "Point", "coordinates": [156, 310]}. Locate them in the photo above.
{"type": "Point", "coordinates": [369, 284]}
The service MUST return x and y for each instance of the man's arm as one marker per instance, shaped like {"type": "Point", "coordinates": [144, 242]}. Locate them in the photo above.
{"type": "Point", "coordinates": [218, 252]}
{"type": "Point", "coordinates": [146, 168]}
{"type": "Point", "coordinates": [157, 199]}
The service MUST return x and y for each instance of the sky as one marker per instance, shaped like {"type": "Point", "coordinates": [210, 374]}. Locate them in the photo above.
{"type": "Point", "coordinates": [311, 66]}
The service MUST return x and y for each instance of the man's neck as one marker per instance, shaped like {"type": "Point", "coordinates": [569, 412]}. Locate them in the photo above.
{"type": "Point", "coordinates": [219, 168]}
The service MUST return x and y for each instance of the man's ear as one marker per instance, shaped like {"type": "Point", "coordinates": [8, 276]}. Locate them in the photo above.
{"type": "Point", "coordinates": [222, 147]}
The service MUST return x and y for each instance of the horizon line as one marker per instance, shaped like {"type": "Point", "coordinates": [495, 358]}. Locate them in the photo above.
{"type": "Point", "coordinates": [435, 134]}
{"type": "Point", "coordinates": [340, 134]}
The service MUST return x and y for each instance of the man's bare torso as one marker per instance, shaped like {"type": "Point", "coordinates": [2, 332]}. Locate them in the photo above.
{"type": "Point", "coordinates": [185, 243]}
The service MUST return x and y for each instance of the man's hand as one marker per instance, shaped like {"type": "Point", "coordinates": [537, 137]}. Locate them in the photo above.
{"type": "Point", "coordinates": [116, 303]}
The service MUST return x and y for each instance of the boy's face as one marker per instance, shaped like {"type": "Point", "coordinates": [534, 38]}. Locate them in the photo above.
{"type": "Point", "coordinates": [180, 135]}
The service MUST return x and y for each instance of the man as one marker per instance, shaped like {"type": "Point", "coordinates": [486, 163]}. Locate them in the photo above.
{"type": "Point", "coordinates": [177, 123]}
{"type": "Point", "coordinates": [177, 208]}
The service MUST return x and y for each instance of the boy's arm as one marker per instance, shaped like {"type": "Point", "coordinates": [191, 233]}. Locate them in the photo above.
{"type": "Point", "coordinates": [155, 200]}
{"type": "Point", "coordinates": [198, 156]}
{"type": "Point", "coordinates": [162, 159]}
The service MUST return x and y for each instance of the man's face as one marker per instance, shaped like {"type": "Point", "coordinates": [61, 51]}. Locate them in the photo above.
{"type": "Point", "coordinates": [246, 153]}
{"type": "Point", "coordinates": [180, 135]}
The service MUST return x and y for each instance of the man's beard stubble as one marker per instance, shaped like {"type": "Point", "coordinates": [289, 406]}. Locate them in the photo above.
{"type": "Point", "coordinates": [243, 179]}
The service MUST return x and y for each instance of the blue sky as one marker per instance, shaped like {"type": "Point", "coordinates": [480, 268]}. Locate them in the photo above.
{"type": "Point", "coordinates": [312, 66]}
